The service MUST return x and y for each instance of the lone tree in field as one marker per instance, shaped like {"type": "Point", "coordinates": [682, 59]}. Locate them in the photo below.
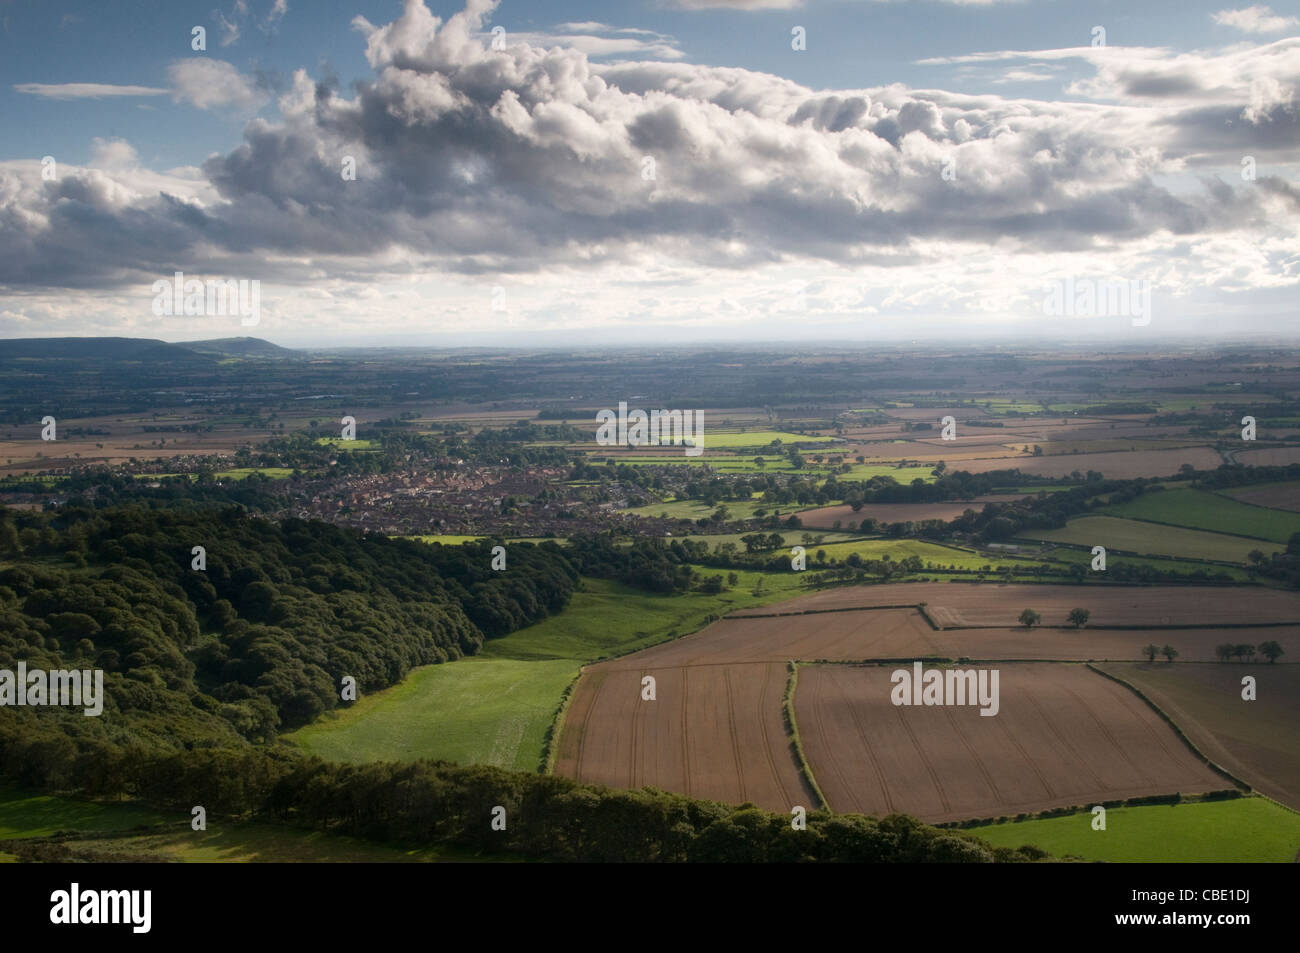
{"type": "Point", "coordinates": [1078, 617]}
{"type": "Point", "coordinates": [1270, 650]}
{"type": "Point", "coordinates": [1151, 651]}
{"type": "Point", "coordinates": [1169, 652]}
{"type": "Point", "coordinates": [1029, 618]}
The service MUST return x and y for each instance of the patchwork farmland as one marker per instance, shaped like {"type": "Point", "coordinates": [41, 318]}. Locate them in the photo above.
{"type": "Point", "coordinates": [1064, 736]}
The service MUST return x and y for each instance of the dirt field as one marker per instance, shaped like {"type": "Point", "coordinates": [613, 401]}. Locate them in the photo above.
{"type": "Point", "coordinates": [1063, 736]}
{"type": "Point", "coordinates": [1281, 496]}
{"type": "Point", "coordinates": [903, 634]}
{"type": "Point", "coordinates": [968, 604]}
{"type": "Point", "coordinates": [22, 451]}
{"type": "Point", "coordinates": [878, 633]}
{"type": "Point", "coordinates": [714, 731]}
{"type": "Point", "coordinates": [1121, 465]}
{"type": "Point", "coordinates": [1257, 741]}
{"type": "Point", "coordinates": [1272, 457]}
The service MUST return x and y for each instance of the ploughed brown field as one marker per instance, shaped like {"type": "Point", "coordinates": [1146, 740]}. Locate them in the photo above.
{"type": "Point", "coordinates": [1255, 740]}
{"type": "Point", "coordinates": [715, 728]}
{"type": "Point", "coordinates": [1063, 736]}
{"type": "Point", "coordinates": [1271, 457]}
{"type": "Point", "coordinates": [1285, 496]}
{"type": "Point", "coordinates": [1116, 465]}
{"type": "Point", "coordinates": [713, 731]}
{"type": "Point", "coordinates": [978, 604]}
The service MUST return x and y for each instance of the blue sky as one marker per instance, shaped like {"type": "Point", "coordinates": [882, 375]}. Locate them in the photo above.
{"type": "Point", "coordinates": [797, 187]}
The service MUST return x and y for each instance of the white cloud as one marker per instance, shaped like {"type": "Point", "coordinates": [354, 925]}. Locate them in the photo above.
{"type": "Point", "coordinates": [209, 83]}
{"type": "Point", "coordinates": [113, 154]}
{"type": "Point", "coordinates": [1024, 76]}
{"type": "Point", "coordinates": [85, 90]}
{"type": "Point", "coordinates": [1267, 75]}
{"type": "Point", "coordinates": [598, 40]}
{"type": "Point", "coordinates": [229, 29]}
{"type": "Point", "coordinates": [524, 167]}
{"type": "Point", "coordinates": [1256, 19]}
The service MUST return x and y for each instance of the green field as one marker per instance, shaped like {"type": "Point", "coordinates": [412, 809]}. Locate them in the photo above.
{"type": "Point", "coordinates": [237, 473]}
{"type": "Point", "coordinates": [1203, 403]}
{"type": "Point", "coordinates": [792, 537]}
{"type": "Point", "coordinates": [903, 475]}
{"type": "Point", "coordinates": [449, 539]}
{"type": "Point", "coordinates": [733, 463]}
{"type": "Point", "coordinates": [495, 707]}
{"type": "Point", "coordinates": [609, 618]}
{"type": "Point", "coordinates": [240, 473]}
{"type": "Point", "coordinates": [1245, 830]}
{"type": "Point", "coordinates": [1199, 509]}
{"type": "Point", "coordinates": [46, 481]}
{"type": "Point", "coordinates": [452, 539]}
{"type": "Point", "coordinates": [338, 443]}
{"type": "Point", "coordinates": [1007, 405]}
{"type": "Point", "coordinates": [1150, 538]}
{"type": "Point", "coordinates": [697, 509]}
{"type": "Point", "coordinates": [478, 710]}
{"type": "Point", "coordinates": [1032, 490]}
{"type": "Point", "coordinates": [899, 549]}
{"type": "Point", "coordinates": [729, 439]}
{"type": "Point", "coordinates": [23, 814]}
{"type": "Point", "coordinates": [1084, 558]}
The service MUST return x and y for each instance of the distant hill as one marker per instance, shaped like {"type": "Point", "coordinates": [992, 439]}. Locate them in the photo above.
{"type": "Point", "coordinates": [100, 349]}
{"type": "Point", "coordinates": [205, 353]}
{"type": "Point", "coordinates": [242, 347]}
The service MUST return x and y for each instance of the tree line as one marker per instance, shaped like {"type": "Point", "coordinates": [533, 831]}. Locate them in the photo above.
{"type": "Point", "coordinates": [428, 802]}
{"type": "Point", "coordinates": [259, 639]}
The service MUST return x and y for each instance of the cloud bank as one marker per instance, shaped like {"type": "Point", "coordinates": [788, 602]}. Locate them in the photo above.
{"type": "Point", "coordinates": [536, 158]}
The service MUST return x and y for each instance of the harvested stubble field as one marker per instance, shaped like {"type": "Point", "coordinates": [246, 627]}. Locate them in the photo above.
{"type": "Point", "coordinates": [1063, 736]}
{"type": "Point", "coordinates": [878, 633]}
{"type": "Point", "coordinates": [988, 604]}
{"type": "Point", "coordinates": [713, 731]}
{"type": "Point", "coordinates": [1268, 457]}
{"type": "Point", "coordinates": [715, 728]}
{"type": "Point", "coordinates": [1255, 740]}
{"type": "Point", "coordinates": [1280, 496]}
{"type": "Point", "coordinates": [904, 634]}
{"type": "Point", "coordinates": [1119, 465]}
